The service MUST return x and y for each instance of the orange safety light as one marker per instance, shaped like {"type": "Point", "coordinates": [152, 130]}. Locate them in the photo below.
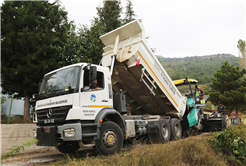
{"type": "Point", "coordinates": [101, 120]}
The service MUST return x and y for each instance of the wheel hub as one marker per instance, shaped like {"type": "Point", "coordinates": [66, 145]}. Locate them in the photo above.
{"type": "Point", "coordinates": [109, 139]}
{"type": "Point", "coordinates": [165, 130]}
{"type": "Point", "coordinates": [177, 130]}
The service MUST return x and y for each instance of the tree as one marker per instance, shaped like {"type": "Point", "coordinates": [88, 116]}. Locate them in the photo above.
{"type": "Point", "coordinates": [72, 49]}
{"type": "Point", "coordinates": [229, 87]}
{"type": "Point", "coordinates": [33, 35]}
{"type": "Point", "coordinates": [129, 14]}
{"type": "Point", "coordinates": [109, 18]}
{"type": "Point", "coordinates": [92, 46]}
{"type": "Point", "coordinates": [242, 55]}
{"type": "Point", "coordinates": [109, 15]}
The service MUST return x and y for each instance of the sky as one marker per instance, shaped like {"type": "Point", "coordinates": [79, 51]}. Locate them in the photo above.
{"type": "Point", "coordinates": [179, 28]}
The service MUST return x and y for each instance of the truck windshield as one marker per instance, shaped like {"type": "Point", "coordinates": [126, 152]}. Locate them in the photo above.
{"type": "Point", "coordinates": [55, 82]}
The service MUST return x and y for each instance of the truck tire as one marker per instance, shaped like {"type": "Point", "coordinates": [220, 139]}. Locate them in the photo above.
{"type": "Point", "coordinates": [164, 133]}
{"type": "Point", "coordinates": [68, 147]}
{"type": "Point", "coordinates": [176, 129]}
{"type": "Point", "coordinates": [111, 139]}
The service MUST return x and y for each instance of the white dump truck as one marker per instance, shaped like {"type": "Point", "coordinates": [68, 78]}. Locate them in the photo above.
{"type": "Point", "coordinates": [128, 95]}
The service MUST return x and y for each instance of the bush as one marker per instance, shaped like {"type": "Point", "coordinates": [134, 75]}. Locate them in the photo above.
{"type": "Point", "coordinates": [3, 99]}
{"type": "Point", "coordinates": [231, 142]}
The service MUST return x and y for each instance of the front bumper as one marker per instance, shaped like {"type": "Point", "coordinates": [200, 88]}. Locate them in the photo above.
{"type": "Point", "coordinates": [48, 135]}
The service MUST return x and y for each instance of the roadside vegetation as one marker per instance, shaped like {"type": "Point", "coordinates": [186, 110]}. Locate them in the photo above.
{"type": "Point", "coordinates": [200, 68]}
{"type": "Point", "coordinates": [231, 144]}
{"type": "Point", "coordinates": [16, 149]}
{"type": "Point", "coordinates": [221, 148]}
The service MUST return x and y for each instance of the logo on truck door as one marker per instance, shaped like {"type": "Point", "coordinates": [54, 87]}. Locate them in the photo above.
{"type": "Point", "coordinates": [93, 98]}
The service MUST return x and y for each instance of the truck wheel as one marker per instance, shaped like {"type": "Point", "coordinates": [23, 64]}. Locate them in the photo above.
{"type": "Point", "coordinates": [164, 133]}
{"type": "Point", "coordinates": [165, 130]}
{"type": "Point", "coordinates": [68, 147]}
{"type": "Point", "coordinates": [111, 139]}
{"type": "Point", "coordinates": [176, 129]}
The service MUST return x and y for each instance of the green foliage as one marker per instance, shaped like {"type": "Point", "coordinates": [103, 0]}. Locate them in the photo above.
{"type": "Point", "coordinates": [72, 49]}
{"type": "Point", "coordinates": [33, 33]}
{"type": "Point", "coordinates": [229, 87]}
{"type": "Point", "coordinates": [91, 45]}
{"type": "Point", "coordinates": [108, 19]}
{"type": "Point", "coordinates": [16, 149]}
{"type": "Point", "coordinates": [200, 68]}
{"type": "Point", "coordinates": [129, 14]}
{"type": "Point", "coordinates": [231, 142]}
{"type": "Point", "coordinates": [35, 37]}
{"type": "Point", "coordinates": [109, 15]}
{"type": "Point", "coordinates": [209, 105]}
{"type": "Point", "coordinates": [3, 99]}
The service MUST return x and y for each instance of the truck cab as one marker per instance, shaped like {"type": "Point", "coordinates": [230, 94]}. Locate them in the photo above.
{"type": "Point", "coordinates": [71, 104]}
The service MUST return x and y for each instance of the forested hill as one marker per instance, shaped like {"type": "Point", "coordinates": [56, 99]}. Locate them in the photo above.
{"type": "Point", "coordinates": [201, 68]}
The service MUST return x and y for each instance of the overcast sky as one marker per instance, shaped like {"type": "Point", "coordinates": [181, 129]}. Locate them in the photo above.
{"type": "Point", "coordinates": [179, 28]}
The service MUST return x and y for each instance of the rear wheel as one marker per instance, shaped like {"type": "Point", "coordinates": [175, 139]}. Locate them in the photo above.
{"type": "Point", "coordinates": [68, 147]}
{"type": "Point", "coordinates": [176, 129]}
{"type": "Point", "coordinates": [164, 134]}
{"type": "Point", "coordinates": [111, 139]}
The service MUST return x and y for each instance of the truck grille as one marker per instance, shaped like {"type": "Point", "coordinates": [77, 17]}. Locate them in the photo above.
{"type": "Point", "coordinates": [57, 115]}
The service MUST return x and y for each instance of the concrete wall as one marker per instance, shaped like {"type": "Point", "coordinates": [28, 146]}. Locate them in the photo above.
{"type": "Point", "coordinates": [15, 134]}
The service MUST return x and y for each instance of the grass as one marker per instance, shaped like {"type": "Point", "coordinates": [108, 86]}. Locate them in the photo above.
{"type": "Point", "coordinates": [11, 121]}
{"type": "Point", "coordinates": [17, 119]}
{"type": "Point", "coordinates": [190, 151]}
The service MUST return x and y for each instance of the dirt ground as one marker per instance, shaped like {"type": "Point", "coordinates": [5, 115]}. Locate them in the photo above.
{"type": "Point", "coordinates": [33, 158]}
{"type": "Point", "coordinates": [50, 157]}
{"type": "Point", "coordinates": [15, 134]}
{"type": "Point", "coordinates": [43, 158]}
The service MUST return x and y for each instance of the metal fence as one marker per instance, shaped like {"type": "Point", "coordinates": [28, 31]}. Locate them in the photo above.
{"type": "Point", "coordinates": [16, 109]}
{"type": "Point", "coordinates": [11, 106]}
{"type": "Point", "coordinates": [12, 110]}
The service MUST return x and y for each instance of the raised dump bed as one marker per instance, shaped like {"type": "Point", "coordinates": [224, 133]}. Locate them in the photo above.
{"type": "Point", "coordinates": [138, 73]}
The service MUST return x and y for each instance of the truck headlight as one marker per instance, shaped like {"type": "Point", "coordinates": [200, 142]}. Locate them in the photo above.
{"type": "Point", "coordinates": [34, 134]}
{"type": "Point", "coordinates": [69, 132]}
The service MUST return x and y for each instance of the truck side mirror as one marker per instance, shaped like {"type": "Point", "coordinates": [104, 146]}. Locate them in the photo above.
{"type": "Point", "coordinates": [93, 77]}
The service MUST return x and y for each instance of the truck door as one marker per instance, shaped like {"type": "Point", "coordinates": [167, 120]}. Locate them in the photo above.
{"type": "Point", "coordinates": [93, 100]}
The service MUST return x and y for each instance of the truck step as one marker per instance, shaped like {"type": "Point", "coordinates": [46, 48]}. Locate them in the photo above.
{"type": "Point", "coordinates": [89, 145]}
{"type": "Point", "coordinates": [89, 125]}
{"type": "Point", "coordinates": [89, 135]}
